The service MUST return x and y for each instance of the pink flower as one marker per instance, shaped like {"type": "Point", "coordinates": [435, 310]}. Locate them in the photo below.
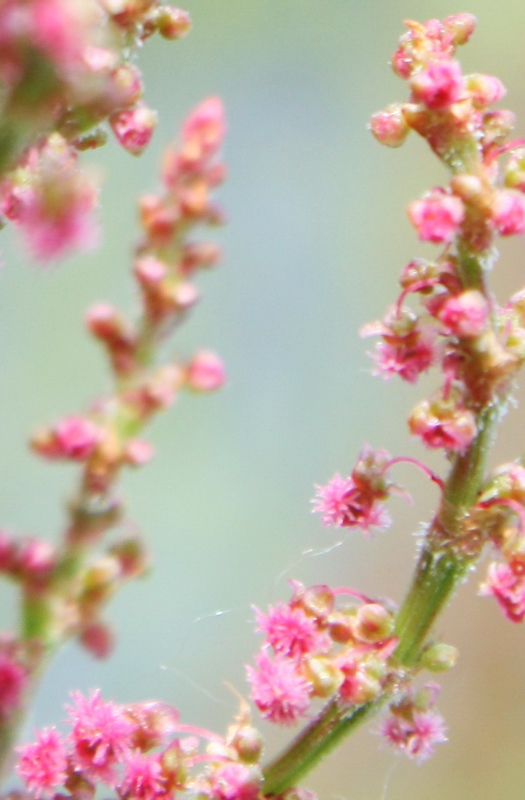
{"type": "Point", "coordinates": [43, 764]}
{"type": "Point", "coordinates": [143, 779]}
{"type": "Point", "coordinates": [101, 736]}
{"type": "Point", "coordinates": [345, 505]}
{"type": "Point", "coordinates": [134, 128]}
{"type": "Point", "coordinates": [52, 200]}
{"type": "Point", "coordinates": [234, 781]}
{"type": "Point", "coordinates": [279, 691]}
{"type": "Point", "coordinates": [13, 681]}
{"type": "Point", "coordinates": [74, 438]}
{"type": "Point", "coordinates": [291, 632]}
{"type": "Point", "coordinates": [415, 736]}
{"type": "Point", "coordinates": [443, 424]}
{"type": "Point", "coordinates": [439, 86]}
{"type": "Point", "coordinates": [465, 314]}
{"type": "Point", "coordinates": [437, 216]}
{"type": "Point", "coordinates": [508, 213]}
{"type": "Point", "coordinates": [408, 347]}
{"type": "Point", "coordinates": [507, 585]}
{"type": "Point", "coordinates": [206, 373]}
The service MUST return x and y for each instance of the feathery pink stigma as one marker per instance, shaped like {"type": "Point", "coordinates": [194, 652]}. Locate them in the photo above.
{"type": "Point", "coordinates": [101, 735]}
{"type": "Point", "coordinates": [291, 632]}
{"type": "Point", "coordinates": [42, 765]}
{"type": "Point", "coordinates": [279, 691]}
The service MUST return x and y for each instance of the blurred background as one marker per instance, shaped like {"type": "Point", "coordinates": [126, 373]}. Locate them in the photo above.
{"type": "Point", "coordinates": [317, 235]}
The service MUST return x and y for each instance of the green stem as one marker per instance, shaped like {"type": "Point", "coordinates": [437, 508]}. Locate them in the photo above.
{"type": "Point", "coordinates": [313, 744]}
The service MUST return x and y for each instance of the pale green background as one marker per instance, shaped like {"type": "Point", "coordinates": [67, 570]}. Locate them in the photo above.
{"type": "Point", "coordinates": [316, 238]}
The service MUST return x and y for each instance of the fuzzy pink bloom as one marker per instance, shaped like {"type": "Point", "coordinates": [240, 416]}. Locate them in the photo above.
{"type": "Point", "coordinates": [13, 681]}
{"type": "Point", "coordinates": [508, 213]}
{"type": "Point", "coordinates": [343, 504]}
{"type": "Point", "coordinates": [408, 347]}
{"type": "Point", "coordinates": [51, 233]}
{"type": "Point", "coordinates": [42, 765]}
{"type": "Point", "coordinates": [408, 360]}
{"type": "Point", "coordinates": [416, 737]}
{"type": "Point", "coordinates": [52, 200]}
{"type": "Point", "coordinates": [143, 779]}
{"type": "Point", "coordinates": [507, 585]}
{"type": "Point", "coordinates": [134, 128]}
{"type": "Point", "coordinates": [101, 735]}
{"type": "Point", "coordinates": [465, 314]}
{"type": "Point", "coordinates": [291, 632]}
{"type": "Point", "coordinates": [206, 373]}
{"type": "Point", "coordinates": [437, 216]}
{"type": "Point", "coordinates": [74, 438]}
{"type": "Point", "coordinates": [439, 86]}
{"type": "Point", "coordinates": [234, 781]}
{"type": "Point", "coordinates": [279, 691]}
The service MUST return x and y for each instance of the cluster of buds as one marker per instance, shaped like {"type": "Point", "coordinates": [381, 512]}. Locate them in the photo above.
{"type": "Point", "coordinates": [460, 328]}
{"type": "Point", "coordinates": [140, 751]}
{"type": "Point", "coordinates": [106, 439]}
{"type": "Point", "coordinates": [67, 72]}
{"type": "Point", "coordinates": [320, 650]}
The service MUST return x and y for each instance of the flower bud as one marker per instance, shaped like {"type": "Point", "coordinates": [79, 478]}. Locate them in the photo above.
{"type": "Point", "coordinates": [390, 126]}
{"type": "Point", "coordinates": [172, 23]}
{"type": "Point", "coordinates": [461, 26]}
{"type": "Point", "coordinates": [98, 639]}
{"type": "Point", "coordinates": [325, 677]}
{"type": "Point", "coordinates": [134, 128]}
{"type": "Point", "coordinates": [205, 372]}
{"type": "Point", "coordinates": [439, 657]}
{"type": "Point", "coordinates": [248, 743]}
{"type": "Point", "coordinates": [484, 89]}
{"type": "Point", "coordinates": [373, 623]}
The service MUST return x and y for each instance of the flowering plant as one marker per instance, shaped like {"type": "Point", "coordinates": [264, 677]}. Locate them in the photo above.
{"type": "Point", "coordinates": [331, 658]}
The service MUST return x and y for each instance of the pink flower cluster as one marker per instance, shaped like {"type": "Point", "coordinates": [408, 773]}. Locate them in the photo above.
{"type": "Point", "coordinates": [314, 648]}
{"type": "Point", "coordinates": [502, 510]}
{"type": "Point", "coordinates": [140, 751]}
{"type": "Point", "coordinates": [357, 501]}
{"type": "Point", "coordinates": [104, 440]}
{"type": "Point", "coordinates": [460, 329]}
{"type": "Point", "coordinates": [51, 200]}
{"type": "Point", "coordinates": [414, 726]}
